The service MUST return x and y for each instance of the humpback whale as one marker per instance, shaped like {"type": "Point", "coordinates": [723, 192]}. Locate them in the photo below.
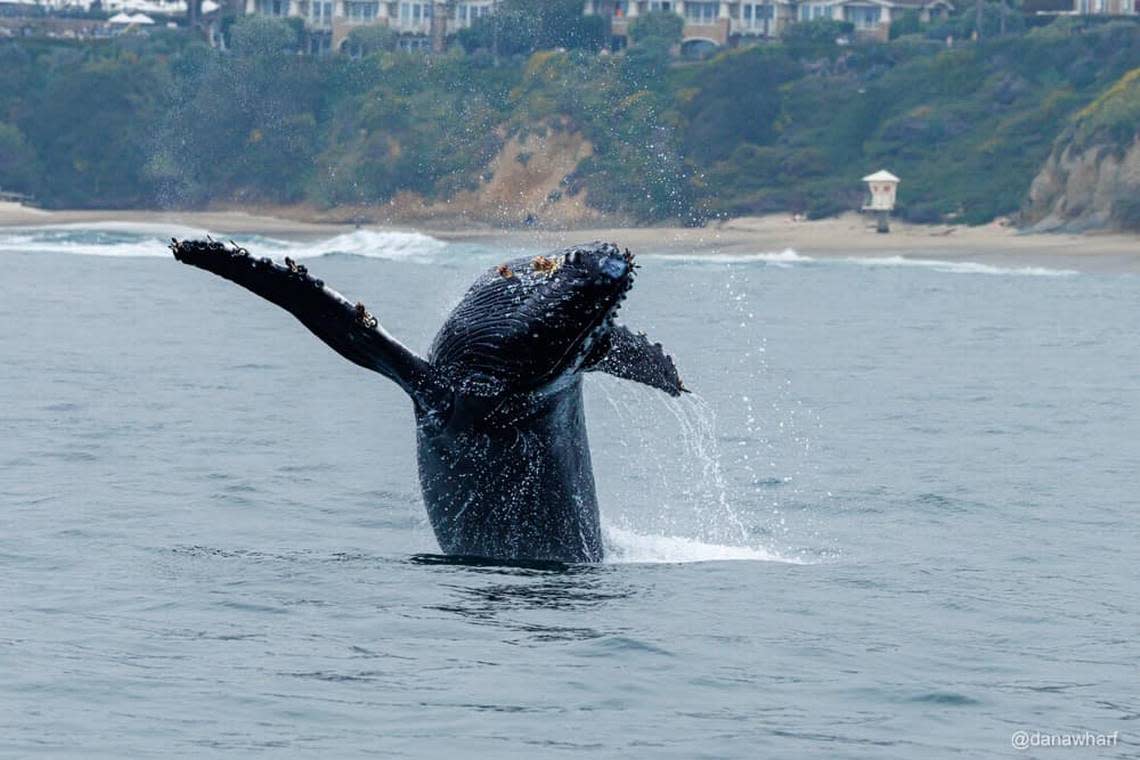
{"type": "Point", "coordinates": [504, 461]}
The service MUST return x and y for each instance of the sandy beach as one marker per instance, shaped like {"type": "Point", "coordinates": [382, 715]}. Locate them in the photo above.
{"type": "Point", "coordinates": [850, 235]}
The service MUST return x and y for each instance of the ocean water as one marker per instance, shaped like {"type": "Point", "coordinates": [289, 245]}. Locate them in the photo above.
{"type": "Point", "coordinates": [897, 518]}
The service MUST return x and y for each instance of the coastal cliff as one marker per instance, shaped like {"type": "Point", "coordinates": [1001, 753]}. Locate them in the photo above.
{"type": "Point", "coordinates": [1091, 181]}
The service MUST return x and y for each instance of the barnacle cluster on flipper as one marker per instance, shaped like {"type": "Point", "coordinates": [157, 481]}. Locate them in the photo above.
{"type": "Point", "coordinates": [363, 317]}
{"type": "Point", "coordinates": [211, 255]}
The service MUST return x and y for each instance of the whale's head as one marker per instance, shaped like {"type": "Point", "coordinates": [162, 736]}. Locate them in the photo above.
{"type": "Point", "coordinates": [531, 322]}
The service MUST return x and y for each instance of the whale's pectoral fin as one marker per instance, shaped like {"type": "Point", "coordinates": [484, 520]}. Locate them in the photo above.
{"type": "Point", "coordinates": [349, 329]}
{"type": "Point", "coordinates": [631, 356]}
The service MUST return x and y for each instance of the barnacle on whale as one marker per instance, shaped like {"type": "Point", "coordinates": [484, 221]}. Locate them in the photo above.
{"type": "Point", "coordinates": [363, 317]}
{"type": "Point", "coordinates": [545, 265]}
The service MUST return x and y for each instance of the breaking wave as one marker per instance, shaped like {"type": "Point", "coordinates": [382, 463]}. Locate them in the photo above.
{"type": "Point", "coordinates": [152, 239]}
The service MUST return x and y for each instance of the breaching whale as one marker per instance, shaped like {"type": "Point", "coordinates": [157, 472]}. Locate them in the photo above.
{"type": "Point", "coordinates": [504, 462]}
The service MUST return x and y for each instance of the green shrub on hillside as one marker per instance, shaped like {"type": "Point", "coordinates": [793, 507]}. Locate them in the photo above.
{"type": "Point", "coordinates": [1114, 117]}
{"type": "Point", "coordinates": [263, 36]}
{"type": "Point", "coordinates": [92, 130]}
{"type": "Point", "coordinates": [658, 26]}
{"type": "Point", "coordinates": [19, 166]}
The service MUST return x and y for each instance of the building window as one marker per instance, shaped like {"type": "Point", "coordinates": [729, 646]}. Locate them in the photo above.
{"type": "Point", "coordinates": [701, 13]}
{"type": "Point", "coordinates": [467, 13]}
{"type": "Point", "coordinates": [863, 17]}
{"type": "Point", "coordinates": [812, 11]}
{"type": "Point", "coordinates": [362, 12]}
{"type": "Point", "coordinates": [415, 13]}
{"type": "Point", "coordinates": [320, 12]}
{"type": "Point", "coordinates": [660, 6]}
{"type": "Point", "coordinates": [756, 15]}
{"type": "Point", "coordinates": [319, 43]}
{"type": "Point", "coordinates": [272, 7]}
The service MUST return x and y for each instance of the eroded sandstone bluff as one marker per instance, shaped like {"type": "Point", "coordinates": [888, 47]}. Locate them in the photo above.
{"type": "Point", "coordinates": [1091, 181]}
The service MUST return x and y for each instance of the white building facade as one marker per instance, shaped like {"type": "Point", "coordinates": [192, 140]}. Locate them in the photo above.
{"type": "Point", "coordinates": [731, 22]}
{"type": "Point", "coordinates": [421, 24]}
{"type": "Point", "coordinates": [708, 24]}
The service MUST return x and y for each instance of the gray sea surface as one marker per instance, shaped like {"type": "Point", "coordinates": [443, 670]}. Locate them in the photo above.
{"type": "Point", "coordinates": [898, 518]}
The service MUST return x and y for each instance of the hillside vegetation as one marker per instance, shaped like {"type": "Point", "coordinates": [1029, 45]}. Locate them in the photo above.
{"type": "Point", "coordinates": [162, 121]}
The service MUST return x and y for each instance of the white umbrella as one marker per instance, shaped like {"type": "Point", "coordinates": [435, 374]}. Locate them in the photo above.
{"type": "Point", "coordinates": [119, 18]}
{"type": "Point", "coordinates": [141, 18]}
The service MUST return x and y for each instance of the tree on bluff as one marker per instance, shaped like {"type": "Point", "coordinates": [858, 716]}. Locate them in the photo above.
{"type": "Point", "coordinates": [263, 36]}
{"type": "Point", "coordinates": [19, 167]}
{"type": "Point", "coordinates": [657, 26]}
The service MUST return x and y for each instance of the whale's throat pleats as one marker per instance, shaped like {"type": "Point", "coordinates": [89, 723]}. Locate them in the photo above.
{"type": "Point", "coordinates": [529, 322]}
{"type": "Point", "coordinates": [521, 326]}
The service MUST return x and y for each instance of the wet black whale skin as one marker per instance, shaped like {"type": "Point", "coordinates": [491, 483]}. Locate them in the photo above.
{"type": "Point", "coordinates": [504, 459]}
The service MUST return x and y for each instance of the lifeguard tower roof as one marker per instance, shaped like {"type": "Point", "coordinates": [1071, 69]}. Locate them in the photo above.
{"type": "Point", "coordinates": [881, 176]}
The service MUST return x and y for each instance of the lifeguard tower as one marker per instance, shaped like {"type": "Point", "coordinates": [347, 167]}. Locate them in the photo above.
{"type": "Point", "coordinates": [883, 186]}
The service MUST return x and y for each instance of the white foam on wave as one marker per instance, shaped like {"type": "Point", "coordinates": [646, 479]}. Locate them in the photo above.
{"type": "Point", "coordinates": [789, 258]}
{"type": "Point", "coordinates": [151, 239]}
{"type": "Point", "coordinates": [957, 267]}
{"type": "Point", "coordinates": [778, 258]}
{"type": "Point", "coordinates": [125, 240]}
{"type": "Point", "coordinates": [377, 244]}
{"type": "Point", "coordinates": [625, 547]}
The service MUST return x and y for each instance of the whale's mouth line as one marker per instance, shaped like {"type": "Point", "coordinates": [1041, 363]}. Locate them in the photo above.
{"type": "Point", "coordinates": [580, 347]}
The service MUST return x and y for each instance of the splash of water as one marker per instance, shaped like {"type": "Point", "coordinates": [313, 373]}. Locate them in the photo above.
{"type": "Point", "coordinates": [626, 547]}
{"type": "Point", "coordinates": [724, 485]}
{"type": "Point", "coordinates": [700, 517]}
